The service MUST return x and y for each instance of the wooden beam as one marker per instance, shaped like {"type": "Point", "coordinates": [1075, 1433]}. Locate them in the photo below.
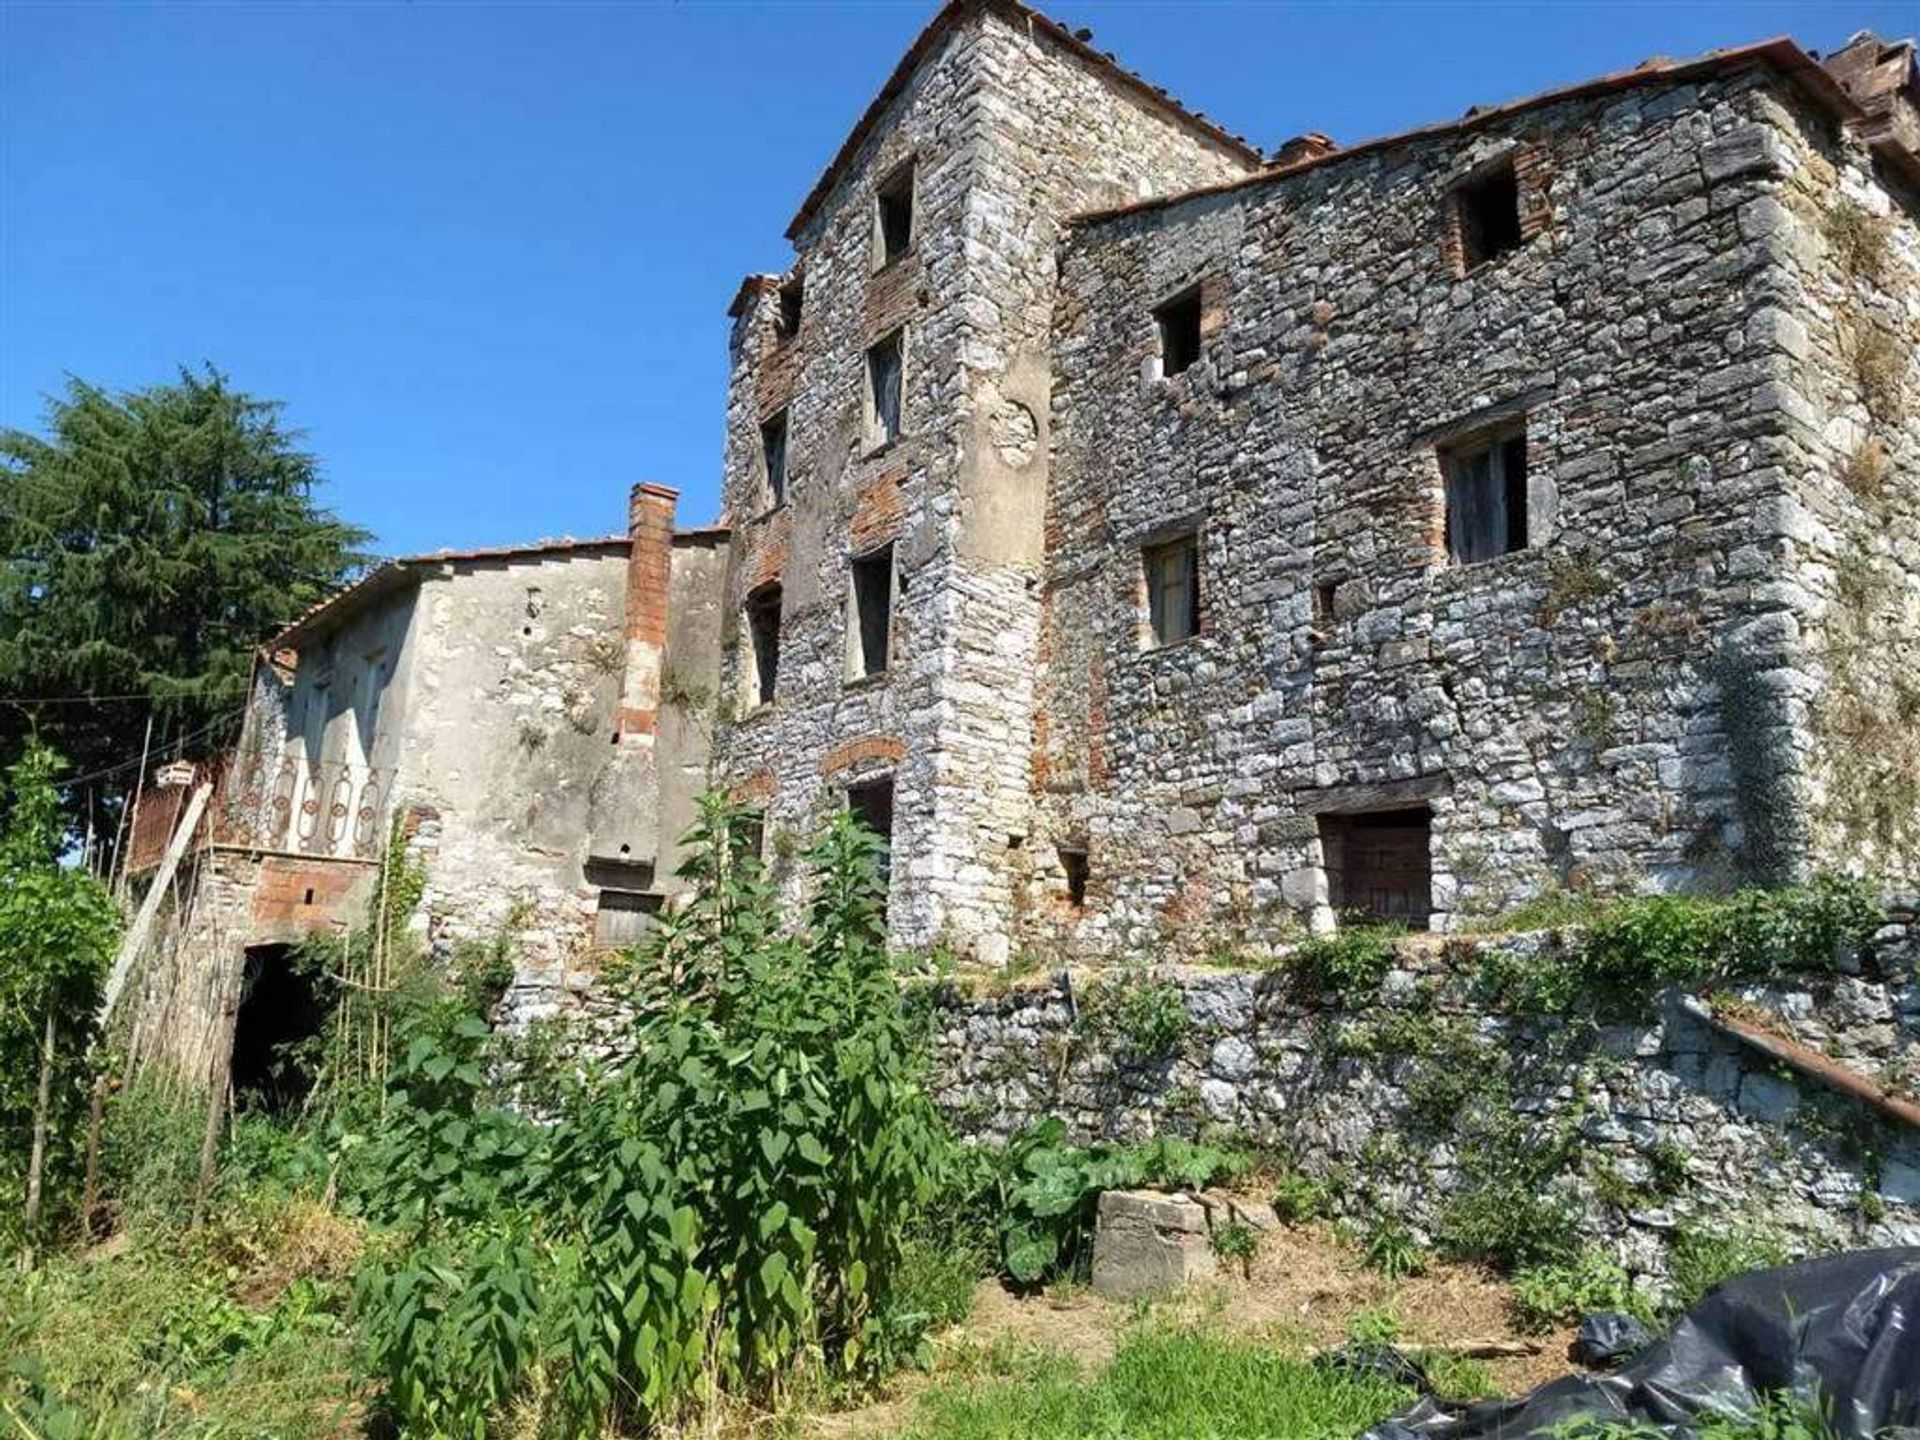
{"type": "Point", "coordinates": [138, 932]}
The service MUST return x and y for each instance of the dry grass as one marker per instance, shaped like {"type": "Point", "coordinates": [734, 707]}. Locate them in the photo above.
{"type": "Point", "coordinates": [1304, 1288]}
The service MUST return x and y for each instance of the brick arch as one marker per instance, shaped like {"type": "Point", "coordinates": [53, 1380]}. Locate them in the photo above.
{"type": "Point", "coordinates": [888, 749]}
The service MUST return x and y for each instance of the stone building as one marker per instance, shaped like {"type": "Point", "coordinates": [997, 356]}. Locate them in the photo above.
{"type": "Point", "coordinates": [526, 723]}
{"type": "Point", "coordinates": [1158, 539]}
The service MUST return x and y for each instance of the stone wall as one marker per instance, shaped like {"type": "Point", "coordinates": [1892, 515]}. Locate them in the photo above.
{"type": "Point", "coordinates": [1620, 703]}
{"type": "Point", "coordinates": [1673, 1125]}
{"type": "Point", "coordinates": [1844, 240]}
{"type": "Point", "coordinates": [958, 493]}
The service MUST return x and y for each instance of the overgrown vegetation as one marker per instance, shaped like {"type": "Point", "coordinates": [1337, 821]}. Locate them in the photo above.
{"type": "Point", "coordinates": [1346, 965]}
{"type": "Point", "coordinates": [1039, 1192]}
{"type": "Point", "coordinates": [1630, 950]}
{"type": "Point", "coordinates": [57, 930]}
{"type": "Point", "coordinates": [1163, 1384]}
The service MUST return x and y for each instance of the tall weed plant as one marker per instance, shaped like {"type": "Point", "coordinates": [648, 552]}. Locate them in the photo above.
{"type": "Point", "coordinates": [724, 1206]}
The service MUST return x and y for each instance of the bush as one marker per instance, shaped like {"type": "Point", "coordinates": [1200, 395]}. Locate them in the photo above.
{"type": "Point", "coordinates": [1298, 1197]}
{"type": "Point", "coordinates": [1548, 1295]}
{"type": "Point", "coordinates": [1146, 1018]}
{"type": "Point", "coordinates": [1390, 1250]}
{"type": "Point", "coordinates": [1631, 950]}
{"type": "Point", "coordinates": [1348, 965]}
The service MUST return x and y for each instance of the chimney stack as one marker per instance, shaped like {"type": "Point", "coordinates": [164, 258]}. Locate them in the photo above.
{"type": "Point", "coordinates": [649, 569]}
{"type": "Point", "coordinates": [1310, 146]}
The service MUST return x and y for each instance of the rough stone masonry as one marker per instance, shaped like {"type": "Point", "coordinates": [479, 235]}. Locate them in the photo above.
{"type": "Point", "coordinates": [1524, 502]}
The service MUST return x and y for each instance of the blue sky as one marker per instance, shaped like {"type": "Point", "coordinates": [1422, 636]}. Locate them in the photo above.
{"type": "Point", "coordinates": [484, 252]}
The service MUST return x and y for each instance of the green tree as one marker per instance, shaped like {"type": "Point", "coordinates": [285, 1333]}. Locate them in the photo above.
{"type": "Point", "coordinates": [149, 542]}
{"type": "Point", "coordinates": [57, 931]}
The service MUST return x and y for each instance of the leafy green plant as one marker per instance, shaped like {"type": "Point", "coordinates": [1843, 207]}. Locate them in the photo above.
{"type": "Point", "coordinates": [1389, 1249]}
{"type": "Point", "coordinates": [1348, 965]}
{"type": "Point", "coordinates": [1374, 1325]}
{"type": "Point", "coordinates": [1298, 1197]}
{"type": "Point", "coordinates": [1146, 1018]}
{"type": "Point", "coordinates": [1701, 1259]}
{"type": "Point", "coordinates": [1548, 1295]}
{"type": "Point", "coordinates": [1045, 1190]}
{"type": "Point", "coordinates": [727, 1203]}
{"type": "Point", "coordinates": [1236, 1241]}
{"type": "Point", "coordinates": [1631, 950]}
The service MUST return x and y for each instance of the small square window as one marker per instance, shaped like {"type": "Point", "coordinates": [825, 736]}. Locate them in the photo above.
{"type": "Point", "coordinates": [763, 640]}
{"type": "Point", "coordinates": [1179, 324]}
{"type": "Point", "coordinates": [893, 205]}
{"type": "Point", "coordinates": [872, 638]}
{"type": "Point", "coordinates": [793, 296]}
{"type": "Point", "coordinates": [883, 388]}
{"type": "Point", "coordinates": [1487, 210]}
{"type": "Point", "coordinates": [1486, 496]}
{"type": "Point", "coordinates": [773, 449]}
{"type": "Point", "coordinates": [1173, 589]}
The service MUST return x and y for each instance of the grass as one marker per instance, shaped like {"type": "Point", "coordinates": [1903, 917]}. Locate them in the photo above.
{"type": "Point", "coordinates": [238, 1330]}
{"type": "Point", "coordinates": [1163, 1384]}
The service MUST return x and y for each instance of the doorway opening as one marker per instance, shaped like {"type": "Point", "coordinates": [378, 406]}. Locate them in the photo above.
{"type": "Point", "coordinates": [1379, 865]}
{"type": "Point", "coordinates": [280, 1015]}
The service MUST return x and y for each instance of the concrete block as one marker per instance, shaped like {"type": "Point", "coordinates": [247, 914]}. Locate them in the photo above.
{"type": "Point", "coordinates": [1146, 1243]}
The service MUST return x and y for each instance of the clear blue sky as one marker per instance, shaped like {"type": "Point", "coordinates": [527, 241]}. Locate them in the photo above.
{"type": "Point", "coordinates": [484, 252]}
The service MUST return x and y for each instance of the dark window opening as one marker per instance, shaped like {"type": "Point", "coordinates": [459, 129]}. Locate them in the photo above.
{"type": "Point", "coordinates": [793, 297]}
{"type": "Point", "coordinates": [1179, 322]}
{"type": "Point", "coordinates": [1324, 595]}
{"type": "Point", "coordinates": [773, 448]}
{"type": "Point", "coordinates": [1486, 497]}
{"type": "Point", "coordinates": [309, 896]}
{"type": "Point", "coordinates": [1074, 862]}
{"type": "Point", "coordinates": [1379, 865]}
{"type": "Point", "coordinates": [750, 833]}
{"type": "Point", "coordinates": [894, 201]}
{"type": "Point", "coordinates": [871, 802]}
{"type": "Point", "coordinates": [763, 637]}
{"type": "Point", "coordinates": [873, 611]}
{"type": "Point", "coordinates": [624, 919]}
{"type": "Point", "coordinates": [1488, 210]}
{"type": "Point", "coordinates": [883, 388]}
{"type": "Point", "coordinates": [1173, 589]}
{"type": "Point", "coordinates": [275, 1033]}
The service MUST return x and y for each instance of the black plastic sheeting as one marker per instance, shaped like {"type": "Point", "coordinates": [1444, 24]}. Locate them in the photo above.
{"type": "Point", "coordinates": [1843, 1331]}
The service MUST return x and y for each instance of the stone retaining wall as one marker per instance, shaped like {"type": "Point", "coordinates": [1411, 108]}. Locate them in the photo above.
{"type": "Point", "coordinates": [1673, 1124]}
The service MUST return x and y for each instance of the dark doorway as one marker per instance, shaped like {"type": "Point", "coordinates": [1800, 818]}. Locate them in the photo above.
{"type": "Point", "coordinates": [871, 802]}
{"type": "Point", "coordinates": [1380, 865]}
{"type": "Point", "coordinates": [280, 1016]}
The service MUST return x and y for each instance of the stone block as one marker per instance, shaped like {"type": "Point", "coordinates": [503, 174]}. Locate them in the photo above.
{"type": "Point", "coordinates": [1146, 1243]}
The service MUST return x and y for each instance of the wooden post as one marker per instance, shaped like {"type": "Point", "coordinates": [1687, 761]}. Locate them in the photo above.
{"type": "Point", "coordinates": [136, 937]}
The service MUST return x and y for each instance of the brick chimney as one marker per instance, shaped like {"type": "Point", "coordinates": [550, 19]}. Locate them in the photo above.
{"type": "Point", "coordinates": [1310, 146]}
{"type": "Point", "coordinates": [649, 567]}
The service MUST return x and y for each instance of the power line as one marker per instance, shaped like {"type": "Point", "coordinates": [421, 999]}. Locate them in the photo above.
{"type": "Point", "coordinates": [129, 695]}
{"type": "Point", "coordinates": [126, 765]}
